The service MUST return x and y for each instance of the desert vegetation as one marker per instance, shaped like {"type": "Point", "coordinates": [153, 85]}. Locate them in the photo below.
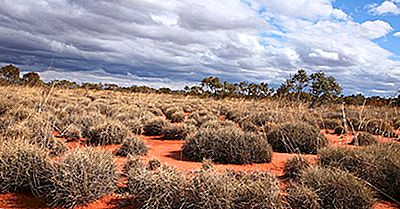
{"type": "Point", "coordinates": [68, 145]}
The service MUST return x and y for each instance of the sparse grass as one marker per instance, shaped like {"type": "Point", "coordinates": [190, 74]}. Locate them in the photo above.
{"type": "Point", "coordinates": [227, 145]}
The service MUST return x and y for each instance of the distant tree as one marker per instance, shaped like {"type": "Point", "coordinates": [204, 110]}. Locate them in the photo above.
{"type": "Point", "coordinates": [63, 84]}
{"type": "Point", "coordinates": [211, 85]}
{"type": "Point", "coordinates": [164, 90]}
{"type": "Point", "coordinates": [323, 88]}
{"type": "Point", "coordinates": [355, 99]}
{"type": "Point", "coordinates": [111, 86]}
{"type": "Point", "coordinates": [32, 79]}
{"type": "Point", "coordinates": [10, 73]}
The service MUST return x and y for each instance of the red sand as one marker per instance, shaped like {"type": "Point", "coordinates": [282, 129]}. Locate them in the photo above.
{"type": "Point", "coordinates": [169, 152]}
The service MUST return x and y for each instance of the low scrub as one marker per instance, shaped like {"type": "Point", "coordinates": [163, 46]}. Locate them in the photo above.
{"type": "Point", "coordinates": [176, 132]}
{"type": "Point", "coordinates": [332, 189]}
{"type": "Point", "coordinates": [363, 139]}
{"type": "Point", "coordinates": [109, 132]}
{"type": "Point", "coordinates": [211, 190]}
{"type": "Point", "coordinates": [295, 166]}
{"type": "Point", "coordinates": [78, 178]}
{"type": "Point", "coordinates": [132, 146]}
{"type": "Point", "coordinates": [296, 138]}
{"type": "Point", "coordinates": [160, 188]}
{"type": "Point", "coordinates": [377, 164]}
{"type": "Point", "coordinates": [301, 197]}
{"type": "Point", "coordinates": [227, 145]}
{"type": "Point", "coordinates": [154, 127]}
{"type": "Point", "coordinates": [20, 162]}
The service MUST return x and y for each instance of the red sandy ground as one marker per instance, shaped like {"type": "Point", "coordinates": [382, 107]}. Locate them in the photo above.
{"type": "Point", "coordinates": [169, 152]}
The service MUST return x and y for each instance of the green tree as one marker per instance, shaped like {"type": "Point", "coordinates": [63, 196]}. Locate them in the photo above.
{"type": "Point", "coordinates": [323, 88]}
{"type": "Point", "coordinates": [10, 73]}
{"type": "Point", "coordinates": [32, 79]}
{"type": "Point", "coordinates": [211, 85]}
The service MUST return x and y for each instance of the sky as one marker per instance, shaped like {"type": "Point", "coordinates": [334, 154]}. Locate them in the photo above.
{"type": "Point", "coordinates": [173, 43]}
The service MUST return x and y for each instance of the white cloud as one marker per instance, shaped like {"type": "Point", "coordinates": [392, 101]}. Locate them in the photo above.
{"type": "Point", "coordinates": [376, 29]}
{"type": "Point", "coordinates": [387, 7]}
{"type": "Point", "coordinates": [173, 43]}
{"type": "Point", "coordinates": [397, 34]}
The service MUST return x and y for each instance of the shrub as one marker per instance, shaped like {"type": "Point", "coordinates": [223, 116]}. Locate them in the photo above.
{"type": "Point", "coordinates": [110, 132]}
{"type": "Point", "coordinates": [211, 190]}
{"type": "Point", "coordinates": [176, 132]}
{"type": "Point", "coordinates": [160, 188]}
{"type": "Point", "coordinates": [301, 197]}
{"type": "Point", "coordinates": [73, 132]}
{"type": "Point", "coordinates": [296, 138]}
{"type": "Point", "coordinates": [132, 146]}
{"type": "Point", "coordinates": [247, 125]}
{"type": "Point", "coordinates": [363, 139]}
{"type": "Point", "coordinates": [20, 162]}
{"type": "Point", "coordinates": [295, 166]}
{"type": "Point", "coordinates": [80, 177]}
{"type": "Point", "coordinates": [154, 127]}
{"type": "Point", "coordinates": [135, 126]}
{"type": "Point", "coordinates": [330, 124]}
{"type": "Point", "coordinates": [337, 189]}
{"type": "Point", "coordinates": [177, 117]}
{"type": "Point", "coordinates": [339, 130]}
{"type": "Point", "coordinates": [378, 164]}
{"type": "Point", "coordinates": [227, 145]}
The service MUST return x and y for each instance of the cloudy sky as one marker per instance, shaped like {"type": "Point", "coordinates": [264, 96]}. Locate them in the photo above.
{"type": "Point", "coordinates": [173, 43]}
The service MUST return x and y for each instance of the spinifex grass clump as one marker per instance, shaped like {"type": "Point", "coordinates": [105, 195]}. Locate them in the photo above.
{"type": "Point", "coordinates": [78, 178]}
{"type": "Point", "coordinates": [132, 146]}
{"type": "Point", "coordinates": [363, 139]}
{"type": "Point", "coordinates": [209, 190]}
{"type": "Point", "coordinates": [296, 138]}
{"type": "Point", "coordinates": [295, 166]}
{"type": "Point", "coordinates": [334, 188]}
{"type": "Point", "coordinates": [177, 132]}
{"type": "Point", "coordinates": [163, 187]}
{"type": "Point", "coordinates": [154, 127]}
{"type": "Point", "coordinates": [378, 164]}
{"type": "Point", "coordinates": [109, 132]}
{"type": "Point", "coordinates": [301, 197]}
{"type": "Point", "coordinates": [227, 145]}
{"type": "Point", "coordinates": [20, 162]}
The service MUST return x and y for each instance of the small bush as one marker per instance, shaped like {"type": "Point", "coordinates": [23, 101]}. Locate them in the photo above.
{"type": "Point", "coordinates": [378, 164]}
{"type": "Point", "coordinates": [110, 132]}
{"type": "Point", "coordinates": [363, 139]}
{"type": "Point", "coordinates": [296, 138]}
{"type": "Point", "coordinates": [154, 127]}
{"type": "Point", "coordinates": [295, 166]}
{"type": "Point", "coordinates": [80, 177]}
{"type": "Point", "coordinates": [330, 124]}
{"type": "Point", "coordinates": [339, 130]}
{"type": "Point", "coordinates": [227, 145]}
{"type": "Point", "coordinates": [177, 117]}
{"type": "Point", "coordinates": [176, 132]}
{"type": "Point", "coordinates": [337, 189]}
{"type": "Point", "coordinates": [213, 190]}
{"type": "Point", "coordinates": [301, 197]}
{"type": "Point", "coordinates": [160, 188]}
{"type": "Point", "coordinates": [73, 132]}
{"type": "Point", "coordinates": [247, 125]}
{"type": "Point", "coordinates": [20, 163]}
{"type": "Point", "coordinates": [132, 146]}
